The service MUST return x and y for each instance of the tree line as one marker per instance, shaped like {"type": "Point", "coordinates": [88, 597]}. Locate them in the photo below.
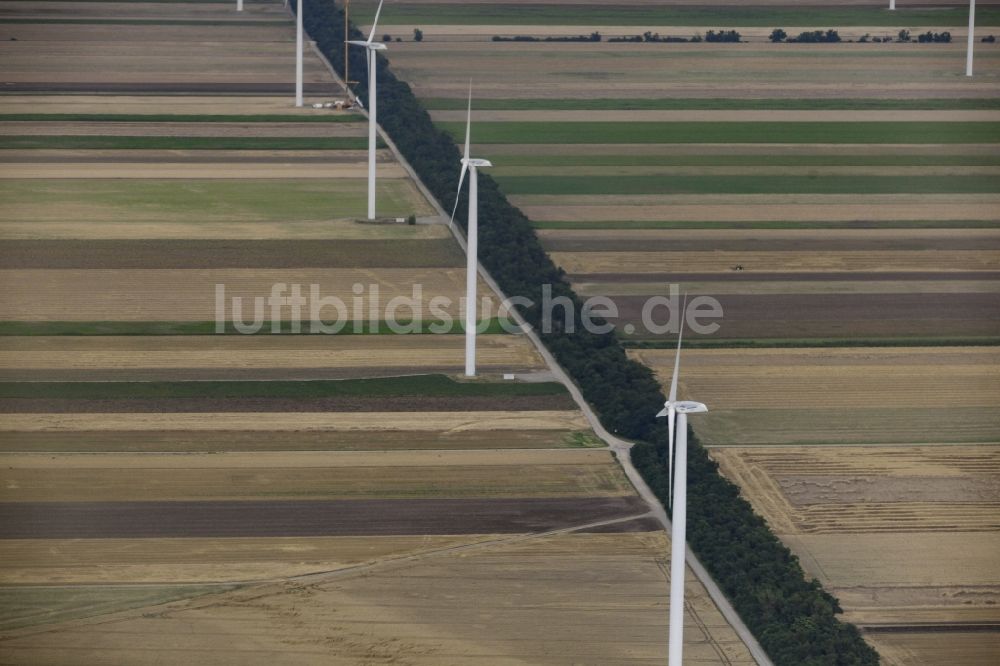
{"type": "Point", "coordinates": [794, 619]}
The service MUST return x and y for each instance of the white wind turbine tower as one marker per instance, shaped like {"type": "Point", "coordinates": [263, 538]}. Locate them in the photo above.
{"type": "Point", "coordinates": [472, 240]}
{"type": "Point", "coordinates": [674, 409]}
{"type": "Point", "coordinates": [372, 47]}
{"type": "Point", "coordinates": [299, 45]}
{"type": "Point", "coordinates": [972, 37]}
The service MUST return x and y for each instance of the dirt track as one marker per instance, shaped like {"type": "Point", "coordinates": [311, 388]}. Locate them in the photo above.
{"type": "Point", "coordinates": [81, 520]}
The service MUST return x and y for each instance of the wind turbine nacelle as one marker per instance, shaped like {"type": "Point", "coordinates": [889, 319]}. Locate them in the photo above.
{"type": "Point", "coordinates": [480, 164]}
{"type": "Point", "coordinates": [377, 46]}
{"type": "Point", "coordinates": [689, 407]}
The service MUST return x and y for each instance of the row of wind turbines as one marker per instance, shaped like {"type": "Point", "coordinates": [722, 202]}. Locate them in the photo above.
{"type": "Point", "coordinates": [676, 411]}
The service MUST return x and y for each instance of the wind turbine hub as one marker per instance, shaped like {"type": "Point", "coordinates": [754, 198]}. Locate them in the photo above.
{"type": "Point", "coordinates": [690, 407]}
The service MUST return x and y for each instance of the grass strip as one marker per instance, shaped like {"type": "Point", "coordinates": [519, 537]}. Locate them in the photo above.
{"type": "Point", "coordinates": [640, 185]}
{"type": "Point", "coordinates": [818, 160]}
{"type": "Point", "coordinates": [713, 104]}
{"type": "Point", "coordinates": [182, 143]}
{"type": "Point", "coordinates": [179, 118]}
{"type": "Point", "coordinates": [782, 224]}
{"type": "Point", "coordinates": [729, 132]}
{"type": "Point", "coordinates": [416, 385]}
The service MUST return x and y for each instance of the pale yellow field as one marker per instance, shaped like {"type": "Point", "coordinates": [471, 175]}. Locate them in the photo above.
{"type": "Point", "coordinates": [904, 537]}
{"type": "Point", "coordinates": [585, 590]}
{"type": "Point", "coordinates": [298, 421]}
{"type": "Point", "coordinates": [190, 294]}
{"type": "Point", "coordinates": [823, 395]}
{"type": "Point", "coordinates": [346, 229]}
{"type": "Point", "coordinates": [438, 67]}
{"type": "Point", "coordinates": [199, 560]}
{"type": "Point", "coordinates": [208, 356]}
{"type": "Point", "coordinates": [295, 475]}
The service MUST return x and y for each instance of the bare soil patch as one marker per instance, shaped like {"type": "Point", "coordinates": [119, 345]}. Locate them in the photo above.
{"type": "Point", "coordinates": [844, 315]}
{"type": "Point", "coordinates": [83, 520]}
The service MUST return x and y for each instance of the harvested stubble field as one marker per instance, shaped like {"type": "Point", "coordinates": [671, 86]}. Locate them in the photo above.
{"type": "Point", "coordinates": [597, 609]}
{"type": "Point", "coordinates": [161, 358]}
{"type": "Point", "coordinates": [210, 57]}
{"type": "Point", "coordinates": [146, 477]}
{"type": "Point", "coordinates": [823, 395]}
{"type": "Point", "coordinates": [906, 538]}
{"type": "Point", "coordinates": [195, 441]}
{"type": "Point", "coordinates": [758, 70]}
{"type": "Point", "coordinates": [372, 423]}
{"type": "Point", "coordinates": [141, 295]}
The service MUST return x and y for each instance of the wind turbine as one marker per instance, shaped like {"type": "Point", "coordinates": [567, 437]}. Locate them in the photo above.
{"type": "Point", "coordinates": [298, 53]}
{"type": "Point", "coordinates": [373, 47]}
{"type": "Point", "coordinates": [472, 240]}
{"type": "Point", "coordinates": [972, 37]}
{"type": "Point", "coordinates": [674, 409]}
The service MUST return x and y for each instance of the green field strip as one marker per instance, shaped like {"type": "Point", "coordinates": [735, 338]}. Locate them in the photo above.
{"type": "Point", "coordinates": [143, 328]}
{"type": "Point", "coordinates": [29, 605]}
{"type": "Point", "coordinates": [238, 200]}
{"type": "Point", "coordinates": [717, 17]}
{"type": "Point", "coordinates": [180, 118]}
{"type": "Point", "coordinates": [281, 21]}
{"type": "Point", "coordinates": [509, 162]}
{"type": "Point", "coordinates": [781, 224]}
{"type": "Point", "coordinates": [712, 104]}
{"type": "Point", "coordinates": [415, 385]}
{"type": "Point", "coordinates": [615, 185]}
{"type": "Point", "coordinates": [183, 143]}
{"type": "Point", "coordinates": [729, 132]}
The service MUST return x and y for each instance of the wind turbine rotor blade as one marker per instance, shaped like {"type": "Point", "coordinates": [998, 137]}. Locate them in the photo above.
{"type": "Point", "coordinates": [458, 194]}
{"type": "Point", "coordinates": [468, 124]}
{"type": "Point", "coordinates": [671, 425]}
{"type": "Point", "coordinates": [375, 22]}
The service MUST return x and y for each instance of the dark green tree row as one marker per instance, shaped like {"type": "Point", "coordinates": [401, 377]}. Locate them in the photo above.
{"type": "Point", "coordinates": [794, 619]}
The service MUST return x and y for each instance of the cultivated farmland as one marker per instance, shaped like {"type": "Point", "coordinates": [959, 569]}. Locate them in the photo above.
{"type": "Point", "coordinates": [288, 495]}
{"type": "Point", "coordinates": [838, 200]}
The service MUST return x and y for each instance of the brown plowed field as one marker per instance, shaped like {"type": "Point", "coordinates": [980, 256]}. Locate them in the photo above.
{"type": "Point", "coordinates": [89, 520]}
{"type": "Point", "coordinates": [846, 315]}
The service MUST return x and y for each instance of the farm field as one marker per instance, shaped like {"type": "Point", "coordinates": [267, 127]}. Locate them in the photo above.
{"type": "Point", "coordinates": [905, 537]}
{"type": "Point", "coordinates": [391, 611]}
{"type": "Point", "coordinates": [153, 466]}
{"type": "Point", "coordinates": [899, 395]}
{"type": "Point", "coordinates": [837, 200]}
